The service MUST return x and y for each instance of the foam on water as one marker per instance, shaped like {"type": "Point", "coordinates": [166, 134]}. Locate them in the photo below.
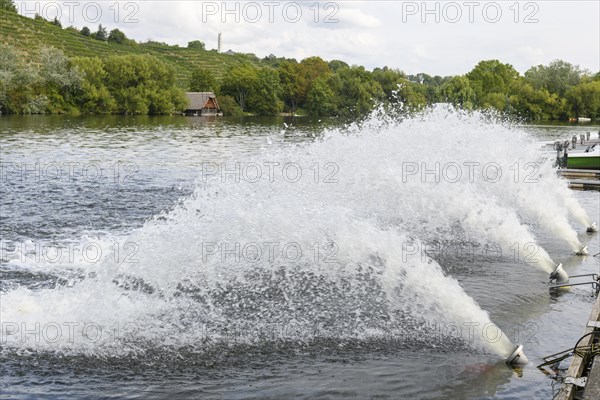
{"type": "Point", "coordinates": [331, 252]}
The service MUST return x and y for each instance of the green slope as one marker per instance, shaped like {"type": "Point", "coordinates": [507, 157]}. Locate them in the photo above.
{"type": "Point", "coordinates": [28, 36]}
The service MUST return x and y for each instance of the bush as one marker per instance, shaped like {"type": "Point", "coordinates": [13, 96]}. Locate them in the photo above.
{"type": "Point", "coordinates": [196, 44]}
{"type": "Point", "coordinates": [229, 106]}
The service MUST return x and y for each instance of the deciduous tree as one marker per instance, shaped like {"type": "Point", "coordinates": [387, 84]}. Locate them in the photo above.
{"type": "Point", "coordinates": [239, 81]}
{"type": "Point", "coordinates": [459, 92]}
{"type": "Point", "coordinates": [264, 99]}
{"type": "Point", "coordinates": [116, 36]}
{"type": "Point", "coordinates": [196, 44]}
{"type": "Point", "coordinates": [557, 77]}
{"type": "Point", "coordinates": [292, 85]}
{"type": "Point", "coordinates": [491, 81]}
{"type": "Point", "coordinates": [357, 91]}
{"type": "Point", "coordinates": [584, 99]}
{"type": "Point", "coordinates": [203, 80]}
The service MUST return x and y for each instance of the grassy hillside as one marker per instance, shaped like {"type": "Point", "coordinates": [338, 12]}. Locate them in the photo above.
{"type": "Point", "coordinates": [28, 36]}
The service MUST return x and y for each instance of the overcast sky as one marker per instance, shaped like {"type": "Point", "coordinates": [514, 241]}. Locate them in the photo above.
{"type": "Point", "coordinates": [436, 37]}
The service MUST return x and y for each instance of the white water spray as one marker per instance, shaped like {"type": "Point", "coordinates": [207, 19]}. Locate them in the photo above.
{"type": "Point", "coordinates": [321, 251]}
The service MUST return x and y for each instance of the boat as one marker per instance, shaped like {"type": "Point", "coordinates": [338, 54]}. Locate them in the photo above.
{"type": "Point", "coordinates": [587, 159]}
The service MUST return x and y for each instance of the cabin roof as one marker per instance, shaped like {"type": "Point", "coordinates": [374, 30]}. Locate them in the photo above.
{"type": "Point", "coordinates": [198, 100]}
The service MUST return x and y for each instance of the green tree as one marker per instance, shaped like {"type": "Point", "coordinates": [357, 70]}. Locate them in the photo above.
{"type": "Point", "coordinates": [356, 91]}
{"type": "Point", "coordinates": [8, 5]}
{"type": "Point", "coordinates": [310, 69]}
{"type": "Point", "coordinates": [321, 98]}
{"type": "Point", "coordinates": [143, 84]}
{"type": "Point", "coordinates": [334, 65]}
{"type": "Point", "coordinates": [459, 92]}
{"type": "Point", "coordinates": [93, 96]}
{"type": "Point", "coordinates": [264, 99]}
{"type": "Point", "coordinates": [491, 81]}
{"type": "Point", "coordinates": [557, 77]}
{"type": "Point", "coordinates": [100, 33]}
{"type": "Point", "coordinates": [47, 86]}
{"type": "Point", "coordinates": [56, 22]}
{"type": "Point", "coordinates": [85, 31]}
{"type": "Point", "coordinates": [297, 79]}
{"type": "Point", "coordinates": [196, 44]}
{"type": "Point", "coordinates": [179, 100]}
{"type": "Point", "coordinates": [116, 36]}
{"type": "Point", "coordinates": [275, 62]}
{"type": "Point", "coordinates": [60, 79]}
{"type": "Point", "coordinates": [238, 82]}
{"type": "Point", "coordinates": [432, 86]}
{"type": "Point", "coordinates": [166, 101]}
{"type": "Point", "coordinates": [292, 85]}
{"type": "Point", "coordinates": [8, 67]}
{"type": "Point", "coordinates": [413, 95]}
{"type": "Point", "coordinates": [17, 82]}
{"type": "Point", "coordinates": [390, 80]}
{"type": "Point", "coordinates": [203, 80]}
{"type": "Point", "coordinates": [229, 106]}
{"type": "Point", "coordinates": [313, 67]}
{"type": "Point", "coordinates": [534, 104]}
{"type": "Point", "coordinates": [584, 99]}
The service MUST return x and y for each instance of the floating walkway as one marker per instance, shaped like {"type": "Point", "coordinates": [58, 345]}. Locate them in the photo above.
{"type": "Point", "coordinates": [582, 179]}
{"type": "Point", "coordinates": [583, 376]}
{"type": "Point", "coordinates": [587, 174]}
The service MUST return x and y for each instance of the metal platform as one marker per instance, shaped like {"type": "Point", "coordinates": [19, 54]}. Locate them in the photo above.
{"type": "Point", "coordinates": [575, 380]}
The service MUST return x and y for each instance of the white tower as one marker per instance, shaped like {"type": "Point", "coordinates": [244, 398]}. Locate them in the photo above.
{"type": "Point", "coordinates": [219, 44]}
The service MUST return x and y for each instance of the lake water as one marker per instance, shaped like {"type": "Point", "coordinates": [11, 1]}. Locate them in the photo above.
{"type": "Point", "coordinates": [175, 257]}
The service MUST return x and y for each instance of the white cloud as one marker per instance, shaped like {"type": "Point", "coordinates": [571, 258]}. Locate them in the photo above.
{"type": "Point", "coordinates": [352, 17]}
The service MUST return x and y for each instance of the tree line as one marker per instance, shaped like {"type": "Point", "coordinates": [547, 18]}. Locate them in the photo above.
{"type": "Point", "coordinates": [124, 84]}
{"type": "Point", "coordinates": [556, 91]}
{"type": "Point", "coordinates": [144, 84]}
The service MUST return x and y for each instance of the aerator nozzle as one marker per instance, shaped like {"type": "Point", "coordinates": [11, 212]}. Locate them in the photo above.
{"type": "Point", "coordinates": [559, 274]}
{"type": "Point", "coordinates": [517, 357]}
{"type": "Point", "coordinates": [583, 251]}
{"type": "Point", "coordinates": [593, 227]}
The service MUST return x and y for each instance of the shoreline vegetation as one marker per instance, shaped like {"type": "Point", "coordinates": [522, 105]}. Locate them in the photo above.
{"type": "Point", "coordinates": [45, 69]}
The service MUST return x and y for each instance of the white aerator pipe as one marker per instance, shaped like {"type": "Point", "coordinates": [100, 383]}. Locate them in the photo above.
{"type": "Point", "coordinates": [560, 274]}
{"type": "Point", "coordinates": [517, 357]}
